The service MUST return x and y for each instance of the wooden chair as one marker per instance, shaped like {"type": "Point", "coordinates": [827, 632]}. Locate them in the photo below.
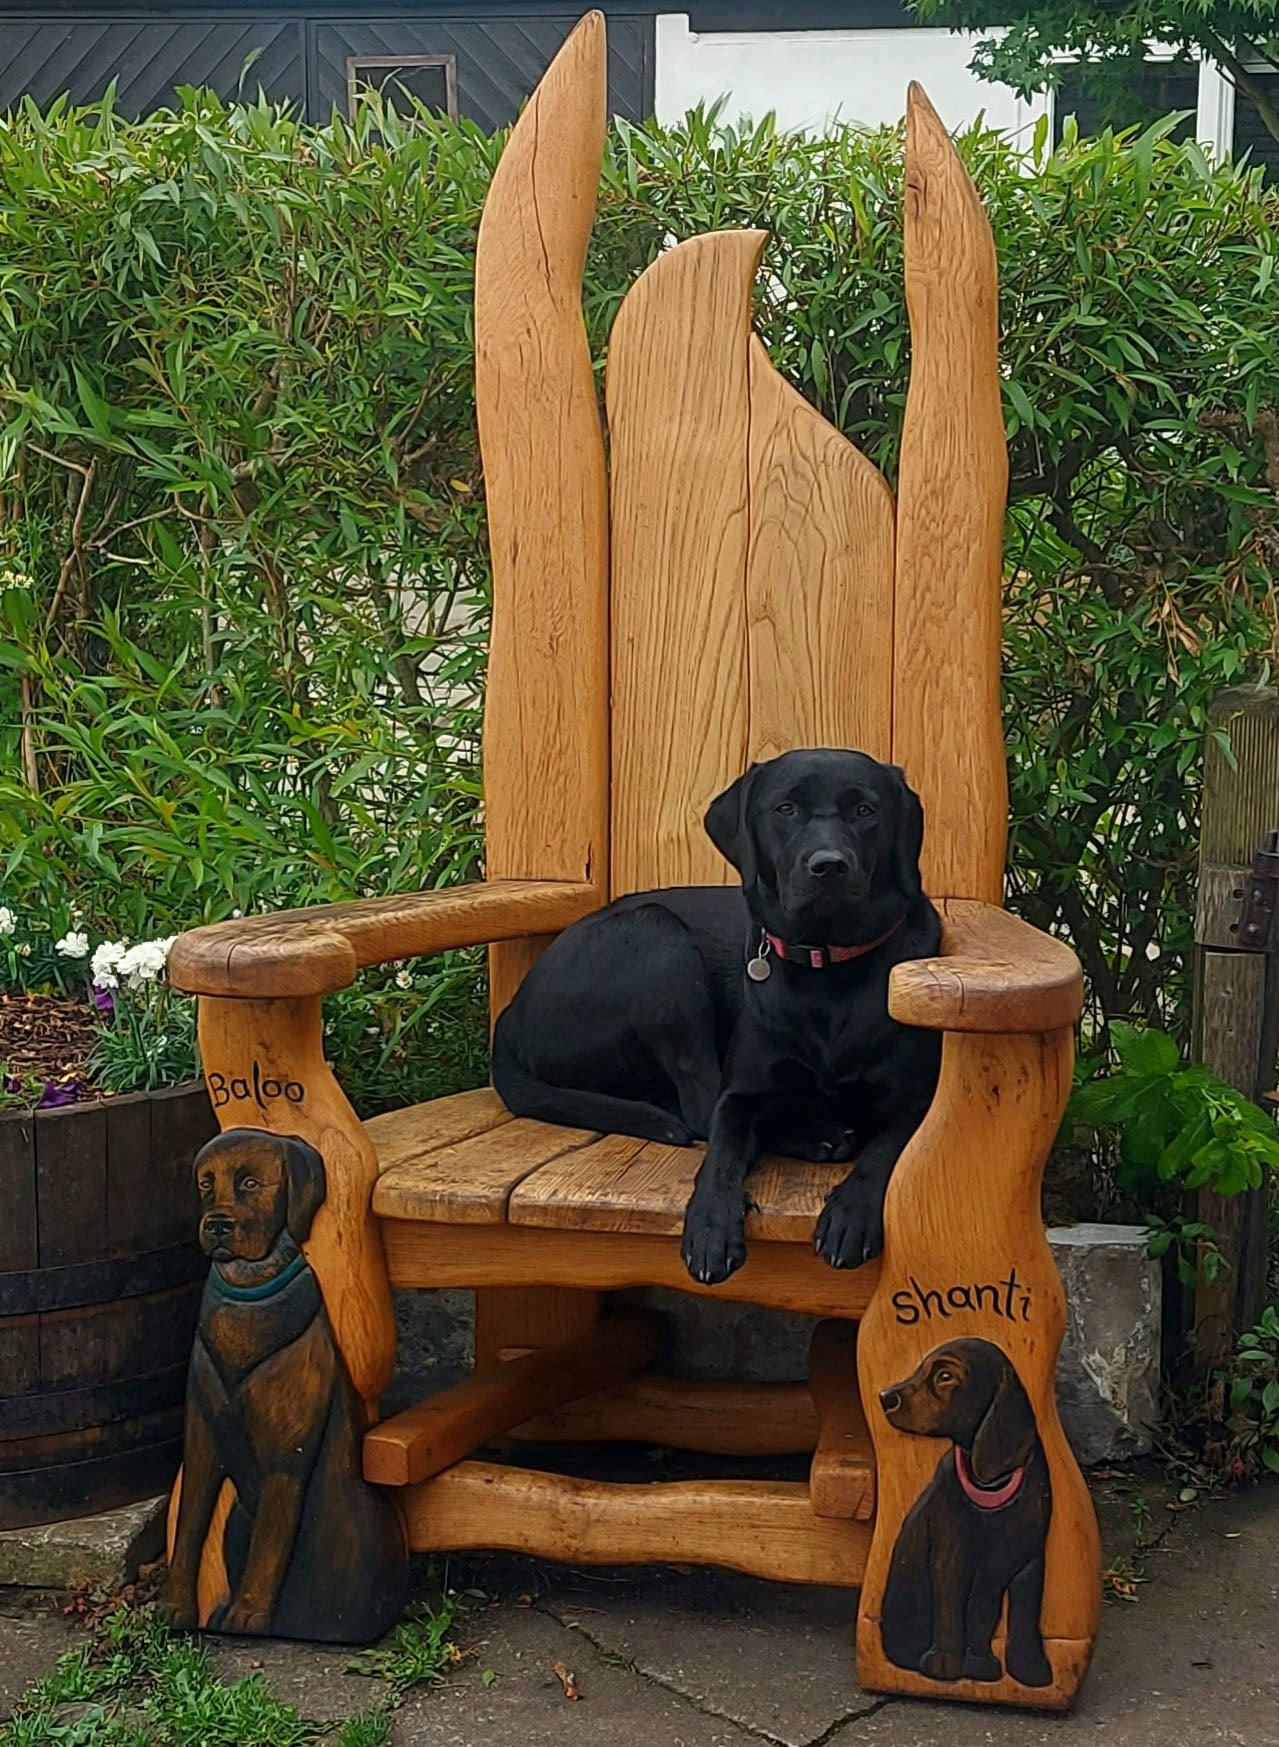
{"type": "Point", "coordinates": [737, 581]}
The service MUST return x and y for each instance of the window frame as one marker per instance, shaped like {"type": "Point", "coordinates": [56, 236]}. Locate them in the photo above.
{"type": "Point", "coordinates": [448, 62]}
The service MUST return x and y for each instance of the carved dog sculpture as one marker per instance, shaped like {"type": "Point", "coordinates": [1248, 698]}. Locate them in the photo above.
{"type": "Point", "coordinates": [311, 1551]}
{"type": "Point", "coordinates": [977, 1531]}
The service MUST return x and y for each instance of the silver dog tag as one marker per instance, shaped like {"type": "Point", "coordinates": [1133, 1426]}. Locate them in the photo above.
{"type": "Point", "coordinates": [758, 968]}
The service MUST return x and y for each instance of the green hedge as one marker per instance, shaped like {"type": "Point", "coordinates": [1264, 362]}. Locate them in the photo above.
{"type": "Point", "coordinates": [241, 522]}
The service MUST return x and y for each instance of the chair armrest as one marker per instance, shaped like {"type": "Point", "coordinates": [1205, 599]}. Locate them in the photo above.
{"type": "Point", "coordinates": [996, 974]}
{"type": "Point", "coordinates": [313, 952]}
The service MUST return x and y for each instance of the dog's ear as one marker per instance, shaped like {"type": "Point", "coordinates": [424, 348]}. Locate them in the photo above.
{"type": "Point", "coordinates": [910, 840]}
{"type": "Point", "coordinates": [1006, 1436]}
{"type": "Point", "coordinates": [307, 1185]}
{"type": "Point", "coordinates": [728, 827]}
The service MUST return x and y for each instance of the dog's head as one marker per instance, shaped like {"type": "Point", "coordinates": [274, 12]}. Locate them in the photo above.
{"type": "Point", "coordinates": [820, 839]}
{"type": "Point", "coordinates": [969, 1392]}
{"type": "Point", "coordinates": [254, 1187]}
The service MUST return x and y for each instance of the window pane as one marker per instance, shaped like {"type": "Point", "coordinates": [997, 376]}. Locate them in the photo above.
{"type": "Point", "coordinates": [1155, 91]}
{"type": "Point", "coordinates": [400, 81]}
{"type": "Point", "coordinates": [1251, 133]}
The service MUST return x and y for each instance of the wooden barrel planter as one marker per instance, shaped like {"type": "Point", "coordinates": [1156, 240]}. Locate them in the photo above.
{"type": "Point", "coordinates": [100, 1283]}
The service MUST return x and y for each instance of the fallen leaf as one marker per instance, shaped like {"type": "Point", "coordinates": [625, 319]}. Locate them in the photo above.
{"type": "Point", "coordinates": [566, 1679]}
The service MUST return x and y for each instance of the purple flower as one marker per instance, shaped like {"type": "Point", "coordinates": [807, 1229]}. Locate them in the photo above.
{"type": "Point", "coordinates": [65, 1091]}
{"type": "Point", "coordinates": [103, 999]}
{"type": "Point", "coordinates": [12, 1084]}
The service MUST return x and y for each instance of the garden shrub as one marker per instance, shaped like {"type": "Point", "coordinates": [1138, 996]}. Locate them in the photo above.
{"type": "Point", "coordinates": [244, 577]}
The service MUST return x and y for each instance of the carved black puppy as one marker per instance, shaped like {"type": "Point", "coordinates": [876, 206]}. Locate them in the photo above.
{"type": "Point", "coordinates": [977, 1531]}
{"type": "Point", "coordinates": [754, 1019]}
{"type": "Point", "coordinates": [311, 1551]}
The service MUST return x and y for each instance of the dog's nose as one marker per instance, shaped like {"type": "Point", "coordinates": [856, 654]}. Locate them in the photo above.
{"type": "Point", "coordinates": [218, 1225]}
{"type": "Point", "coordinates": [826, 864]}
{"type": "Point", "coordinates": [890, 1400]}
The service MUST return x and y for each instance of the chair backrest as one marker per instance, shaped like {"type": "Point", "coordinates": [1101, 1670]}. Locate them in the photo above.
{"type": "Point", "coordinates": [742, 580]}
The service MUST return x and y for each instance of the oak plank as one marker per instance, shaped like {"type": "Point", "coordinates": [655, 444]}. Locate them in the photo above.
{"type": "Point", "coordinates": [399, 1136]}
{"type": "Point", "coordinates": [435, 1433]}
{"type": "Point", "coordinates": [678, 414]}
{"type": "Point", "coordinates": [951, 491]}
{"type": "Point", "coordinates": [624, 1185]}
{"type": "Point", "coordinates": [819, 579]}
{"type": "Point", "coordinates": [763, 1527]}
{"type": "Point", "coordinates": [717, 1417]}
{"type": "Point", "coordinates": [963, 1207]}
{"type": "Point", "coordinates": [546, 703]}
{"type": "Point", "coordinates": [469, 1182]}
{"type": "Point", "coordinates": [995, 973]}
{"type": "Point", "coordinates": [294, 953]}
{"type": "Point", "coordinates": [786, 1276]}
{"type": "Point", "coordinates": [841, 1482]}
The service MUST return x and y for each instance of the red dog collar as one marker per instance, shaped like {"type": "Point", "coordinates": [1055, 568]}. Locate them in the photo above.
{"type": "Point", "coordinates": [987, 1497]}
{"type": "Point", "coordinates": [817, 958]}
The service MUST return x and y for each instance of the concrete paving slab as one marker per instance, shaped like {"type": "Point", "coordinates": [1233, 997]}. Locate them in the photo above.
{"type": "Point", "coordinates": [30, 1643]}
{"type": "Point", "coordinates": [316, 1678]}
{"type": "Point", "coordinates": [104, 1551]}
{"type": "Point", "coordinates": [1193, 1662]}
{"type": "Point", "coordinates": [774, 1658]}
{"type": "Point", "coordinates": [525, 1705]}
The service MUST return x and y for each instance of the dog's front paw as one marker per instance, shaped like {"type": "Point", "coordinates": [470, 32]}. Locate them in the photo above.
{"type": "Point", "coordinates": [851, 1227]}
{"type": "Point", "coordinates": [941, 1665]}
{"type": "Point", "coordinates": [714, 1242]}
{"type": "Point", "coordinates": [245, 1620]}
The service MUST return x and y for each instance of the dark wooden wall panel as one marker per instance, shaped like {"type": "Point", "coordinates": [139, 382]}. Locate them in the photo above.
{"type": "Point", "coordinates": [44, 56]}
{"type": "Point", "coordinates": [500, 54]}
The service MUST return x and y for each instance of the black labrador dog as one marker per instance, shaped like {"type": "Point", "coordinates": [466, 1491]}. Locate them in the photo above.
{"type": "Point", "coordinates": [755, 1019]}
{"type": "Point", "coordinates": [977, 1531]}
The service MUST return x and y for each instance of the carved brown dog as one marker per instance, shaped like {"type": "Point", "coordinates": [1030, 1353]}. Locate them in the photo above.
{"type": "Point", "coordinates": [311, 1551]}
{"type": "Point", "coordinates": [977, 1531]}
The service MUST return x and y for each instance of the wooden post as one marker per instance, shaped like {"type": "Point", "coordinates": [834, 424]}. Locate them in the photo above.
{"type": "Point", "coordinates": [1240, 805]}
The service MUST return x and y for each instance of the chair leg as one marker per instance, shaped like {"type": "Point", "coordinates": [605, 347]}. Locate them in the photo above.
{"type": "Point", "coordinates": [983, 1516]}
{"type": "Point", "coordinates": [308, 1550]}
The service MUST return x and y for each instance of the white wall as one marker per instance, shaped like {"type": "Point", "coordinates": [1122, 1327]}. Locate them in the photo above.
{"type": "Point", "coordinates": [811, 77]}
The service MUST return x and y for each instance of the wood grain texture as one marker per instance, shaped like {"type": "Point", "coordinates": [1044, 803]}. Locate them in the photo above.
{"type": "Point", "coordinates": [619, 1184]}
{"type": "Point", "coordinates": [763, 1527]}
{"type": "Point", "coordinates": [435, 1433]}
{"type": "Point", "coordinates": [315, 951]}
{"type": "Point", "coordinates": [1231, 1002]}
{"type": "Point", "coordinates": [996, 973]}
{"type": "Point", "coordinates": [1218, 904]}
{"type": "Point", "coordinates": [951, 491]}
{"type": "Point", "coordinates": [718, 1418]}
{"type": "Point", "coordinates": [678, 413]}
{"type": "Point", "coordinates": [470, 1182]}
{"type": "Point", "coordinates": [963, 1212]}
{"type": "Point", "coordinates": [785, 1276]}
{"type": "Point", "coordinates": [841, 1482]}
{"type": "Point", "coordinates": [399, 1136]}
{"type": "Point", "coordinates": [819, 579]}
{"type": "Point", "coordinates": [546, 712]}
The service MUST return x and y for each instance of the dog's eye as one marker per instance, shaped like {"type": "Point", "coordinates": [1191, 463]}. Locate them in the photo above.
{"type": "Point", "coordinates": [787, 809]}
{"type": "Point", "coordinates": [943, 1376]}
{"type": "Point", "coordinates": [249, 1183]}
{"type": "Point", "coordinates": [863, 811]}
{"type": "Point", "coordinates": [206, 1185]}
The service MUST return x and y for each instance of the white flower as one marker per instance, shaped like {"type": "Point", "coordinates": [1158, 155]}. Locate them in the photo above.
{"type": "Point", "coordinates": [144, 962]}
{"type": "Point", "coordinates": [23, 949]}
{"type": "Point", "coordinates": [105, 964]}
{"type": "Point", "coordinates": [403, 980]}
{"type": "Point", "coordinates": [8, 921]}
{"type": "Point", "coordinates": [73, 945]}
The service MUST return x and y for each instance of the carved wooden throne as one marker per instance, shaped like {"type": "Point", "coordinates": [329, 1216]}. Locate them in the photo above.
{"type": "Point", "coordinates": [738, 581]}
